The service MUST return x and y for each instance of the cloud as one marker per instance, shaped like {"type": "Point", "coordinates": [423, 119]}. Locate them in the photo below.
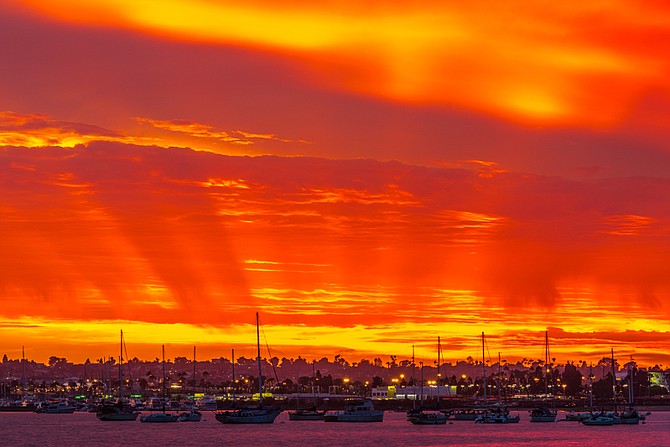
{"type": "Point", "coordinates": [205, 132]}
{"type": "Point", "coordinates": [523, 60]}
{"type": "Point", "coordinates": [39, 130]}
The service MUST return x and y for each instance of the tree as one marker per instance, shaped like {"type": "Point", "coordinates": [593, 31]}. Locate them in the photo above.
{"type": "Point", "coordinates": [572, 379]}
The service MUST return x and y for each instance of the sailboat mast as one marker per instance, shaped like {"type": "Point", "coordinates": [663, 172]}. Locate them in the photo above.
{"type": "Point", "coordinates": [631, 394]}
{"type": "Point", "coordinates": [613, 381]}
{"type": "Point", "coordinates": [258, 357]}
{"type": "Point", "coordinates": [591, 385]}
{"type": "Point", "coordinates": [121, 367]}
{"type": "Point", "coordinates": [438, 371]}
{"type": "Point", "coordinates": [194, 372]}
{"type": "Point", "coordinates": [313, 381]}
{"type": "Point", "coordinates": [163, 364]}
{"type": "Point", "coordinates": [546, 364]}
{"type": "Point", "coordinates": [484, 368]}
{"type": "Point", "coordinates": [23, 372]}
{"type": "Point", "coordinates": [232, 361]}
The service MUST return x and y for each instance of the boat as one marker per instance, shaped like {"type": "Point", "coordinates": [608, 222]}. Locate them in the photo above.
{"type": "Point", "coordinates": [307, 414]}
{"type": "Point", "coordinates": [631, 416]}
{"type": "Point", "coordinates": [356, 411]}
{"type": "Point", "coordinates": [497, 413]}
{"type": "Point", "coordinates": [17, 406]}
{"type": "Point", "coordinates": [427, 416]}
{"type": "Point", "coordinates": [120, 410]}
{"type": "Point", "coordinates": [159, 417]}
{"type": "Point", "coordinates": [163, 416]}
{"type": "Point", "coordinates": [598, 419]}
{"type": "Point", "coordinates": [542, 413]}
{"type": "Point", "coordinates": [576, 417]}
{"type": "Point", "coordinates": [190, 416]}
{"type": "Point", "coordinates": [258, 415]}
{"type": "Point", "coordinates": [56, 408]}
{"type": "Point", "coordinates": [467, 414]}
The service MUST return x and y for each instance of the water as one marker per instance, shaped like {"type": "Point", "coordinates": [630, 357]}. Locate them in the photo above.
{"type": "Point", "coordinates": [83, 429]}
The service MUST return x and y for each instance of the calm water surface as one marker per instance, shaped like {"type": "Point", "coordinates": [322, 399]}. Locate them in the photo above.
{"type": "Point", "coordinates": [83, 429]}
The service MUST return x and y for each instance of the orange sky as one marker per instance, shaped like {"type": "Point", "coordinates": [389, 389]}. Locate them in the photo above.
{"type": "Point", "coordinates": [367, 177]}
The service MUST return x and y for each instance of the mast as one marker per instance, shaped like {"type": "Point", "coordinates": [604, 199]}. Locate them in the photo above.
{"type": "Point", "coordinates": [163, 365]}
{"type": "Point", "coordinates": [314, 380]}
{"type": "Point", "coordinates": [438, 372]}
{"type": "Point", "coordinates": [546, 364]}
{"type": "Point", "coordinates": [591, 386]}
{"type": "Point", "coordinates": [121, 368]}
{"type": "Point", "coordinates": [413, 381]}
{"type": "Point", "coordinates": [194, 372]}
{"type": "Point", "coordinates": [234, 382]}
{"type": "Point", "coordinates": [613, 381]}
{"type": "Point", "coordinates": [23, 372]}
{"type": "Point", "coordinates": [484, 368]}
{"type": "Point", "coordinates": [631, 394]}
{"type": "Point", "coordinates": [258, 357]}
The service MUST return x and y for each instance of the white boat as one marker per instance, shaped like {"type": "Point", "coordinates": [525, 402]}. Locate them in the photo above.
{"type": "Point", "coordinates": [259, 415]}
{"type": "Point", "coordinates": [163, 416]}
{"type": "Point", "coordinates": [57, 408]}
{"type": "Point", "coordinates": [576, 417]}
{"type": "Point", "coordinates": [427, 417]}
{"type": "Point", "coordinates": [467, 414]}
{"type": "Point", "coordinates": [248, 416]}
{"type": "Point", "coordinates": [497, 414]}
{"type": "Point", "coordinates": [159, 417]}
{"type": "Point", "coordinates": [190, 416]}
{"type": "Point", "coordinates": [120, 410]}
{"type": "Point", "coordinates": [307, 414]}
{"type": "Point", "coordinates": [357, 411]}
{"type": "Point", "coordinates": [542, 413]}
{"type": "Point", "coordinates": [598, 419]}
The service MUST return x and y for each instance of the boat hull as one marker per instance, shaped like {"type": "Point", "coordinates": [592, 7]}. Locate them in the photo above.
{"type": "Point", "coordinates": [306, 416]}
{"type": "Point", "coordinates": [257, 416]}
{"type": "Point", "coordinates": [372, 416]}
{"type": "Point", "coordinates": [159, 418]}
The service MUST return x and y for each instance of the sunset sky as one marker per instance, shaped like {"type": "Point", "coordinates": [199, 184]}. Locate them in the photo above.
{"type": "Point", "coordinates": [368, 176]}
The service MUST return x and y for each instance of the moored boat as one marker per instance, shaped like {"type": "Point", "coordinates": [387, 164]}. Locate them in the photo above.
{"type": "Point", "coordinates": [56, 408]}
{"type": "Point", "coordinates": [497, 414]}
{"type": "Point", "coordinates": [356, 411]}
{"type": "Point", "coordinates": [542, 413]}
{"type": "Point", "coordinates": [426, 417]}
{"type": "Point", "coordinates": [259, 415]}
{"type": "Point", "coordinates": [307, 414]}
{"type": "Point", "coordinates": [159, 417]}
{"type": "Point", "coordinates": [248, 416]}
{"type": "Point", "coordinates": [598, 419]}
{"type": "Point", "coordinates": [190, 416]}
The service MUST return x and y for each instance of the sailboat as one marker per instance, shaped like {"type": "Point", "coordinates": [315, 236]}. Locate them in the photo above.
{"type": "Point", "coordinates": [631, 415]}
{"type": "Point", "coordinates": [163, 416]}
{"type": "Point", "coordinates": [542, 413]}
{"type": "Point", "coordinates": [497, 413]}
{"type": "Point", "coordinates": [119, 410]}
{"type": "Point", "coordinates": [192, 415]}
{"type": "Point", "coordinates": [425, 416]}
{"type": "Point", "coordinates": [258, 415]}
{"type": "Point", "coordinates": [308, 414]}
